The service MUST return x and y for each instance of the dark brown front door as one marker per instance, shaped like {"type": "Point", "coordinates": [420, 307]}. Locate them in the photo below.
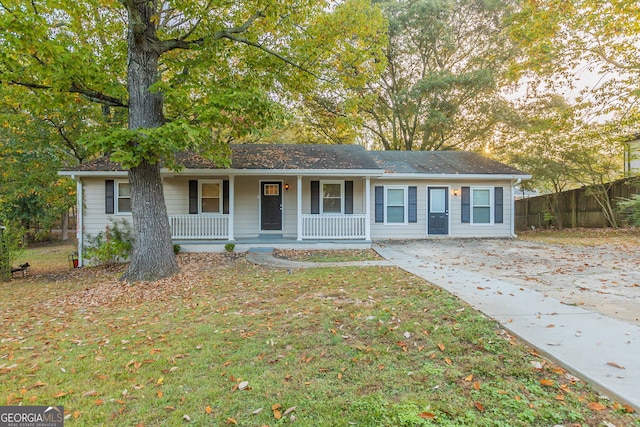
{"type": "Point", "coordinates": [271, 206]}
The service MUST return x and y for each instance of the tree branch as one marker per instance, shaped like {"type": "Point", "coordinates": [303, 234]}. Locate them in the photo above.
{"type": "Point", "coordinates": [98, 97]}
{"type": "Point", "coordinates": [181, 43]}
{"type": "Point", "coordinates": [91, 95]}
{"type": "Point", "coordinates": [600, 53]}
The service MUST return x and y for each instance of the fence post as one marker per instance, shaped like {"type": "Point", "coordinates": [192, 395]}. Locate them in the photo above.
{"type": "Point", "coordinates": [574, 209]}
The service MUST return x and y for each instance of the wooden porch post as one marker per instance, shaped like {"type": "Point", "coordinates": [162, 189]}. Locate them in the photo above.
{"type": "Point", "coordinates": [231, 206]}
{"type": "Point", "coordinates": [299, 205]}
{"type": "Point", "coordinates": [367, 209]}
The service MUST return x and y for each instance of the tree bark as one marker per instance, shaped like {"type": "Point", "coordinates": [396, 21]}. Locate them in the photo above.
{"type": "Point", "coordinates": [64, 228]}
{"type": "Point", "coordinates": [153, 257]}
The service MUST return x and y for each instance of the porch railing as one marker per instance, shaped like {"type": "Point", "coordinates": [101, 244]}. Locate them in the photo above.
{"type": "Point", "coordinates": [199, 226]}
{"type": "Point", "coordinates": [333, 226]}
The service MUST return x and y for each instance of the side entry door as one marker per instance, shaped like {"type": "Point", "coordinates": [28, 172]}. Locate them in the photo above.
{"type": "Point", "coordinates": [438, 210]}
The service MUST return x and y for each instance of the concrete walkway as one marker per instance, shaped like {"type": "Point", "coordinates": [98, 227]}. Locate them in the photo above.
{"type": "Point", "coordinates": [603, 351]}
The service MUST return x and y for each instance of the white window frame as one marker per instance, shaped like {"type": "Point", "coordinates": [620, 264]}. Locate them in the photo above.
{"type": "Point", "coordinates": [117, 197]}
{"type": "Point", "coordinates": [341, 183]}
{"type": "Point", "coordinates": [405, 188]}
{"type": "Point", "coordinates": [220, 195]}
{"type": "Point", "coordinates": [472, 206]}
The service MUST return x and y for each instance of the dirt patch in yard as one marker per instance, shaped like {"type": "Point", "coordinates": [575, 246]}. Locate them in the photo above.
{"type": "Point", "coordinates": [604, 278]}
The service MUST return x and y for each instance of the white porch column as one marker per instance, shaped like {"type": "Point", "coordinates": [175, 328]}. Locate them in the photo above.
{"type": "Point", "coordinates": [367, 209]}
{"type": "Point", "coordinates": [80, 220]}
{"type": "Point", "coordinates": [299, 205]}
{"type": "Point", "coordinates": [232, 192]}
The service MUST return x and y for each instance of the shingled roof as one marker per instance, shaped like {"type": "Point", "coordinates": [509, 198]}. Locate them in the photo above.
{"type": "Point", "coordinates": [335, 157]}
{"type": "Point", "coordinates": [440, 163]}
{"type": "Point", "coordinates": [268, 157]}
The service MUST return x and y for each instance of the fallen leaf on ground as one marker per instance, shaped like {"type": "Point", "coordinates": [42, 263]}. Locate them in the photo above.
{"type": "Point", "coordinates": [277, 414]}
{"type": "Point", "coordinates": [615, 365]}
{"type": "Point", "coordinates": [426, 415]}
{"type": "Point", "coordinates": [288, 411]}
{"type": "Point", "coordinates": [596, 406]}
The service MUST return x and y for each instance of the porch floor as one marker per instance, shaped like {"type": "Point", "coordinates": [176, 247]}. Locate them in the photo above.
{"type": "Point", "coordinates": [245, 244]}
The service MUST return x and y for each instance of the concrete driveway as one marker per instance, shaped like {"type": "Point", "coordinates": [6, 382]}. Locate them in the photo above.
{"type": "Point", "coordinates": [603, 279]}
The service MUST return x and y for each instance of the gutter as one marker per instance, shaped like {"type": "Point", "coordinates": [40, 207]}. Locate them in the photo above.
{"type": "Point", "coordinates": [455, 177]}
{"type": "Point", "coordinates": [237, 172]}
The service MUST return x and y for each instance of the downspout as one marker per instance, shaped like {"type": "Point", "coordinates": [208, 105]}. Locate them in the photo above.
{"type": "Point", "coordinates": [513, 206]}
{"type": "Point", "coordinates": [79, 219]}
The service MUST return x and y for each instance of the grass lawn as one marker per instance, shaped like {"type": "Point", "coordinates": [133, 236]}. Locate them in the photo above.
{"type": "Point", "coordinates": [230, 343]}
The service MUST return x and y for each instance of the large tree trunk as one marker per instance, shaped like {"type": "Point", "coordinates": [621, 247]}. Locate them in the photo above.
{"type": "Point", "coordinates": [64, 232]}
{"type": "Point", "coordinates": [153, 257]}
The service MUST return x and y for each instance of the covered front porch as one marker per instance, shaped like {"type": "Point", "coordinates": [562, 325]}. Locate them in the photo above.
{"type": "Point", "coordinates": [319, 210]}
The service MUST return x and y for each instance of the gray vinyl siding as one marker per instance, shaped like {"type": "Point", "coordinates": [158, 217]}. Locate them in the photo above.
{"type": "Point", "coordinates": [408, 230]}
{"type": "Point", "coordinates": [358, 193]}
{"type": "Point", "coordinates": [247, 205]}
{"type": "Point", "coordinates": [381, 231]}
{"type": "Point", "coordinates": [94, 218]}
{"type": "Point", "coordinates": [459, 229]}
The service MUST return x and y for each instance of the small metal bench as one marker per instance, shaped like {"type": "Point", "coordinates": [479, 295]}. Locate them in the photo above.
{"type": "Point", "coordinates": [24, 268]}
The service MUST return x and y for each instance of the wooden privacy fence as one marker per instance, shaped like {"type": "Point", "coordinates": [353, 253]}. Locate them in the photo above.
{"type": "Point", "coordinates": [577, 207]}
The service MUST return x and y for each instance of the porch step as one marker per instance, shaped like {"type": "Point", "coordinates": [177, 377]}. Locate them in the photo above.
{"type": "Point", "coordinates": [266, 250]}
{"type": "Point", "coordinates": [269, 236]}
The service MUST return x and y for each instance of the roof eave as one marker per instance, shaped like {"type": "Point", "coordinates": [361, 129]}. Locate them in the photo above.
{"type": "Point", "coordinates": [279, 172]}
{"type": "Point", "coordinates": [455, 177]}
{"type": "Point", "coordinates": [234, 172]}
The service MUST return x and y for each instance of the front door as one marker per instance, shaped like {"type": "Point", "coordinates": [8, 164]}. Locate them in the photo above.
{"type": "Point", "coordinates": [438, 210]}
{"type": "Point", "coordinates": [271, 206]}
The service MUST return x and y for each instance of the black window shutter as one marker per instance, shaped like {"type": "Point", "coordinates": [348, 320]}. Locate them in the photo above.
{"type": "Point", "coordinates": [225, 196]}
{"type": "Point", "coordinates": [315, 197]}
{"type": "Point", "coordinates": [193, 196]}
{"type": "Point", "coordinates": [379, 196]}
{"type": "Point", "coordinates": [466, 204]}
{"type": "Point", "coordinates": [413, 204]}
{"type": "Point", "coordinates": [498, 207]}
{"type": "Point", "coordinates": [348, 197]}
{"type": "Point", "coordinates": [109, 199]}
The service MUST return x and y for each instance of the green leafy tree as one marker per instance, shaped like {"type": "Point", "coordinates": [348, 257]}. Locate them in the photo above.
{"type": "Point", "coordinates": [446, 63]}
{"type": "Point", "coordinates": [631, 208]}
{"type": "Point", "coordinates": [540, 148]}
{"type": "Point", "coordinates": [11, 246]}
{"type": "Point", "coordinates": [184, 75]}
{"type": "Point", "coordinates": [558, 38]}
{"type": "Point", "coordinates": [562, 152]}
{"type": "Point", "coordinates": [597, 164]}
{"type": "Point", "coordinates": [31, 192]}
